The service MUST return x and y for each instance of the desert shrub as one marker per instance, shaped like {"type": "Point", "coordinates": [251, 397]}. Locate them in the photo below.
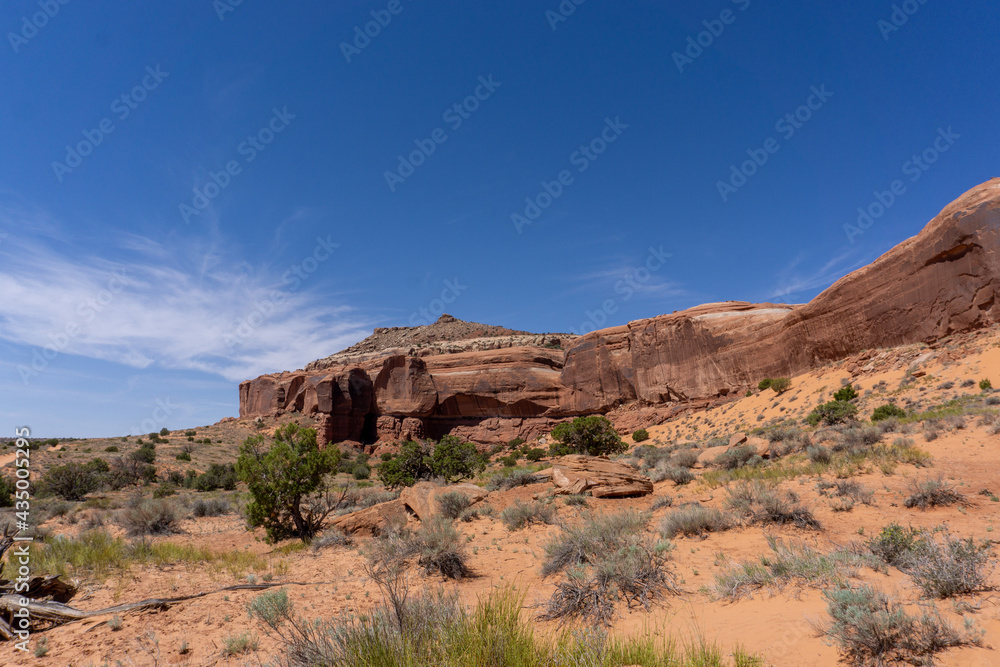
{"type": "Point", "coordinates": [869, 628]}
{"type": "Point", "coordinates": [515, 443]}
{"type": "Point", "coordinates": [819, 454]}
{"type": "Point", "coordinates": [952, 566]}
{"type": "Point", "coordinates": [575, 500]}
{"type": "Point", "coordinates": [661, 502]}
{"type": "Point", "coordinates": [439, 549]}
{"type": "Point", "coordinates": [985, 385]}
{"type": "Point", "coordinates": [886, 411]}
{"type": "Point", "coordinates": [788, 563]}
{"type": "Point", "coordinates": [694, 519]}
{"type": "Point", "coordinates": [164, 431]}
{"type": "Point", "coordinates": [650, 455]}
{"type": "Point", "coordinates": [520, 515]}
{"type": "Point", "coordinates": [452, 504]}
{"type": "Point", "coordinates": [758, 503]}
{"type": "Point", "coordinates": [640, 435]}
{"type": "Point", "coordinates": [764, 384]}
{"type": "Point", "coordinates": [993, 400]}
{"type": "Point", "coordinates": [218, 476]}
{"type": "Point", "coordinates": [859, 438]}
{"type": "Point", "coordinates": [361, 471]}
{"type": "Point", "coordinates": [594, 435]}
{"type": "Point", "coordinates": [73, 481]}
{"type": "Point", "coordinates": [736, 457]}
{"type": "Point", "coordinates": [8, 488]}
{"type": "Point", "coordinates": [606, 558]}
{"type": "Point", "coordinates": [781, 385]}
{"type": "Point", "coordinates": [896, 545]}
{"type": "Point", "coordinates": [534, 454]}
{"type": "Point", "coordinates": [165, 489]}
{"type": "Point", "coordinates": [509, 479]}
{"type": "Point", "coordinates": [111, 448]}
{"type": "Point", "coordinates": [509, 461]}
{"type": "Point", "coordinates": [932, 493]}
{"type": "Point", "coordinates": [148, 517]}
{"type": "Point", "coordinates": [845, 393]}
{"type": "Point", "coordinates": [128, 471]}
{"type": "Point", "coordinates": [834, 412]}
{"type": "Point", "coordinates": [145, 454]}
{"type": "Point", "coordinates": [685, 458]}
{"type": "Point", "coordinates": [331, 538]}
{"type": "Point", "coordinates": [850, 489]}
{"type": "Point", "coordinates": [679, 476]}
{"type": "Point", "coordinates": [211, 507]}
{"type": "Point", "coordinates": [184, 456]}
{"type": "Point", "coordinates": [287, 481]}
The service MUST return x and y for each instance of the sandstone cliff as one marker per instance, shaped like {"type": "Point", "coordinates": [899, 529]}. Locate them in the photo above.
{"type": "Point", "coordinates": [490, 384]}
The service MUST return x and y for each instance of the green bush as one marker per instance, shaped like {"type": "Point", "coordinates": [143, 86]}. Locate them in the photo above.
{"type": "Point", "coordinates": [534, 454]}
{"type": "Point", "coordinates": [985, 385]}
{"type": "Point", "coordinates": [145, 454]}
{"type": "Point", "coordinates": [519, 515]}
{"type": "Point", "coordinates": [640, 435]}
{"type": "Point", "coordinates": [594, 435]}
{"type": "Point", "coordinates": [781, 385]}
{"type": "Point", "coordinates": [184, 456]}
{"type": "Point", "coordinates": [407, 467]}
{"type": "Point", "coordinates": [7, 490]}
{"type": "Point", "coordinates": [112, 448]}
{"type": "Point", "coordinates": [845, 393]}
{"type": "Point", "coordinates": [285, 477]}
{"type": "Point", "coordinates": [164, 431]}
{"type": "Point", "coordinates": [361, 471]}
{"type": "Point", "coordinates": [887, 411]}
{"type": "Point", "coordinates": [515, 443]}
{"type": "Point", "coordinates": [73, 481]}
{"type": "Point", "coordinates": [509, 461]}
{"type": "Point", "coordinates": [455, 460]}
{"type": "Point", "coordinates": [834, 412]}
{"type": "Point", "coordinates": [896, 545]}
{"type": "Point", "coordinates": [218, 476]}
{"type": "Point", "coordinates": [764, 384]}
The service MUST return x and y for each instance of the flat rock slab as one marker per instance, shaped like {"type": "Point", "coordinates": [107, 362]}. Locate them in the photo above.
{"type": "Point", "coordinates": [422, 497]}
{"type": "Point", "coordinates": [372, 520]}
{"type": "Point", "coordinates": [602, 477]}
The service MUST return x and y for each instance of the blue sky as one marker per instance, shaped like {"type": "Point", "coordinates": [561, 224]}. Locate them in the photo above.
{"type": "Point", "coordinates": [194, 193]}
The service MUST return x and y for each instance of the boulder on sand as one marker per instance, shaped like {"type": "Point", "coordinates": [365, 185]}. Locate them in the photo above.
{"type": "Point", "coordinates": [422, 497]}
{"type": "Point", "coordinates": [602, 477]}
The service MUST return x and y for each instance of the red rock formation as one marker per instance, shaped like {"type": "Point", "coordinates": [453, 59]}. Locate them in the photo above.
{"type": "Point", "coordinates": [942, 281]}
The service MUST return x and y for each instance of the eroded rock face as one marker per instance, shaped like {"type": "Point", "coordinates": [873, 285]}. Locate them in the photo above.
{"type": "Point", "coordinates": [490, 384]}
{"type": "Point", "coordinates": [422, 498]}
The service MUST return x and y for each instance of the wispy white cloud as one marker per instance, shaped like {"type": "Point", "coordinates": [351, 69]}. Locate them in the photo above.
{"type": "Point", "coordinates": [150, 307]}
{"type": "Point", "coordinates": [792, 281]}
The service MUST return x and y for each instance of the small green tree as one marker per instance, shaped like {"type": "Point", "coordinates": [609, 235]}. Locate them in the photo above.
{"type": "Point", "coordinates": [74, 481]}
{"type": "Point", "coordinates": [7, 491]}
{"type": "Point", "coordinates": [640, 435]}
{"type": "Point", "coordinates": [886, 411]}
{"type": "Point", "coordinates": [455, 460]}
{"type": "Point", "coordinates": [834, 412]}
{"type": "Point", "coordinates": [985, 385]}
{"type": "Point", "coordinates": [594, 435]}
{"type": "Point", "coordinates": [406, 467]}
{"type": "Point", "coordinates": [781, 385]}
{"type": "Point", "coordinates": [845, 393]}
{"type": "Point", "coordinates": [764, 384]}
{"type": "Point", "coordinates": [287, 481]}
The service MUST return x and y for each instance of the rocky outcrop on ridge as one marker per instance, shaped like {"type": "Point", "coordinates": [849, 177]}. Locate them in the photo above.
{"type": "Point", "coordinates": [461, 378]}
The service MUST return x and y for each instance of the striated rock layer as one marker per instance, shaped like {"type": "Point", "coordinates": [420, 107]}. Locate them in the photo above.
{"type": "Point", "coordinates": [491, 384]}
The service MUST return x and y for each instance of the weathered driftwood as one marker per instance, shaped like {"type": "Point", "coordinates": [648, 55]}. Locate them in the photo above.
{"type": "Point", "coordinates": [51, 612]}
